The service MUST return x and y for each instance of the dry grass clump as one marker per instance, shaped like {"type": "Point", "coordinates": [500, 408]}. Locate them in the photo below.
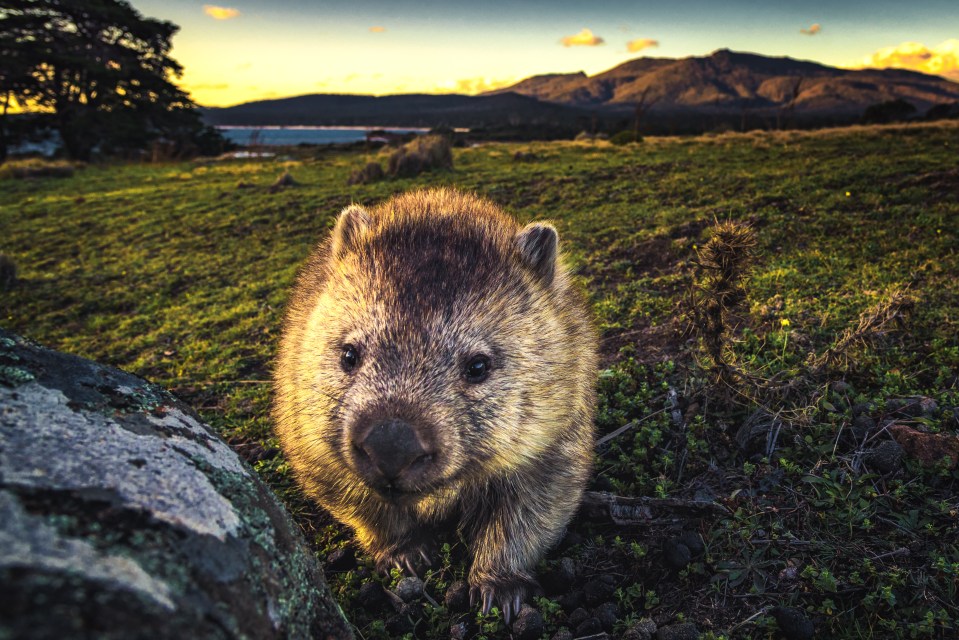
{"type": "Point", "coordinates": [36, 168]}
{"type": "Point", "coordinates": [421, 154]}
{"type": "Point", "coordinates": [372, 172]}
{"type": "Point", "coordinates": [715, 300]}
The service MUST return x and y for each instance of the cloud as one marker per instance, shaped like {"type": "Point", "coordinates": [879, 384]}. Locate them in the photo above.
{"type": "Point", "coordinates": [220, 13]}
{"type": "Point", "coordinates": [643, 43]}
{"type": "Point", "coordinates": [473, 86]}
{"type": "Point", "coordinates": [377, 29]}
{"type": "Point", "coordinates": [584, 38]}
{"type": "Point", "coordinates": [941, 60]}
{"type": "Point", "coordinates": [812, 30]}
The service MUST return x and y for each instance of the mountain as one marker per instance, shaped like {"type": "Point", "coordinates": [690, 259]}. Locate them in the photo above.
{"type": "Point", "coordinates": [410, 110]}
{"type": "Point", "coordinates": [686, 95]}
{"type": "Point", "coordinates": [728, 81]}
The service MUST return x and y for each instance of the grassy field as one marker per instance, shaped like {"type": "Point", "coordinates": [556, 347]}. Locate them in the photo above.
{"type": "Point", "coordinates": [179, 273]}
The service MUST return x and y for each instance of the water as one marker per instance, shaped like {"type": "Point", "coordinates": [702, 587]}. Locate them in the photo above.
{"type": "Point", "coordinates": [288, 136]}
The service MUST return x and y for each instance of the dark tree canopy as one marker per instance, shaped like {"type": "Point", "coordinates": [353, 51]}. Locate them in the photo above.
{"type": "Point", "coordinates": [101, 71]}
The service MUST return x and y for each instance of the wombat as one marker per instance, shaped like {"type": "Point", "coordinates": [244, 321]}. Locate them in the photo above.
{"type": "Point", "coordinates": [437, 366]}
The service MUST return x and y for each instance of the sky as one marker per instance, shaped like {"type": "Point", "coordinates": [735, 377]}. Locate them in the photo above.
{"type": "Point", "coordinates": [242, 50]}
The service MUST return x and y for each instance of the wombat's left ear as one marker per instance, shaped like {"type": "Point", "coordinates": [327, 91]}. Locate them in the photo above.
{"type": "Point", "coordinates": [537, 244]}
{"type": "Point", "coordinates": [352, 223]}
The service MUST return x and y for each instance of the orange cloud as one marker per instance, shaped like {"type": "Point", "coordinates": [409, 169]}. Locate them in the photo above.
{"type": "Point", "coordinates": [584, 38]}
{"type": "Point", "coordinates": [643, 43]}
{"type": "Point", "coordinates": [474, 86]}
{"type": "Point", "coordinates": [941, 60]}
{"type": "Point", "coordinates": [220, 13]}
{"type": "Point", "coordinates": [812, 30]}
{"type": "Point", "coordinates": [377, 29]}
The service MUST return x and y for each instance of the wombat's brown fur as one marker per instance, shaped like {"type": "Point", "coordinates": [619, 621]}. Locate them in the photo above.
{"type": "Point", "coordinates": [438, 365]}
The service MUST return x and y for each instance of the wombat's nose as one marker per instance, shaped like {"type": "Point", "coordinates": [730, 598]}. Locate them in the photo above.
{"type": "Point", "coordinates": [391, 447]}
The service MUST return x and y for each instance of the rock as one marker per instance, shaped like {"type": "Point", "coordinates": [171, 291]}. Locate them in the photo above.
{"type": "Point", "coordinates": [862, 426]}
{"type": "Point", "coordinates": [373, 597]}
{"type": "Point", "coordinates": [572, 600]}
{"type": "Point", "coordinates": [599, 591]}
{"type": "Point", "coordinates": [793, 623]}
{"type": "Point", "coordinates": [458, 597]}
{"type": "Point", "coordinates": [577, 617]}
{"type": "Point", "coordinates": [409, 589]}
{"type": "Point", "coordinates": [676, 555]}
{"type": "Point", "coordinates": [886, 457]}
{"type": "Point", "coordinates": [122, 515]}
{"type": "Point", "coordinates": [642, 630]}
{"type": "Point", "coordinates": [571, 540]}
{"type": "Point", "coordinates": [560, 578]}
{"type": "Point", "coordinates": [694, 542]}
{"type": "Point", "coordinates": [528, 624]}
{"type": "Point", "coordinates": [562, 634]}
{"type": "Point", "coordinates": [861, 408]}
{"type": "Point", "coordinates": [589, 627]}
{"type": "Point", "coordinates": [342, 559]}
{"type": "Point", "coordinates": [399, 624]}
{"type": "Point", "coordinates": [285, 180]}
{"type": "Point", "coordinates": [607, 614]}
{"type": "Point", "coordinates": [684, 631]}
{"type": "Point", "coordinates": [929, 449]}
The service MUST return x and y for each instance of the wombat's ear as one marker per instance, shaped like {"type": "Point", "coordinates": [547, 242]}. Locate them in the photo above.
{"type": "Point", "coordinates": [352, 223]}
{"type": "Point", "coordinates": [537, 244]}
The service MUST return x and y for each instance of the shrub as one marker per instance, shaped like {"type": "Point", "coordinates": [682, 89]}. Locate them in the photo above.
{"type": "Point", "coordinates": [626, 137]}
{"type": "Point", "coordinates": [421, 154]}
{"type": "Point", "coordinates": [8, 272]}
{"type": "Point", "coordinates": [37, 168]}
{"type": "Point", "coordinates": [372, 172]}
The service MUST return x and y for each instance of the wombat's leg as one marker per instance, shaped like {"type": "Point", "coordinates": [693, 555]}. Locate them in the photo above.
{"type": "Point", "coordinates": [509, 529]}
{"type": "Point", "coordinates": [397, 541]}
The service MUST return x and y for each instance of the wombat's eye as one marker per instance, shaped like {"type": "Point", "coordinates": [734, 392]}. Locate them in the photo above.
{"type": "Point", "coordinates": [349, 358]}
{"type": "Point", "coordinates": [477, 369]}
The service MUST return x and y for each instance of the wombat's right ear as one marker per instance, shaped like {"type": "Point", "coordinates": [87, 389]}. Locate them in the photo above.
{"type": "Point", "coordinates": [350, 226]}
{"type": "Point", "coordinates": [538, 243]}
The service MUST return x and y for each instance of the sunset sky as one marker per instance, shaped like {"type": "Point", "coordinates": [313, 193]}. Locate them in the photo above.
{"type": "Point", "coordinates": [241, 50]}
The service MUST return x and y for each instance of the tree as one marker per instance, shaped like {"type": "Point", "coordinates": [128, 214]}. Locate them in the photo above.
{"type": "Point", "coordinates": [101, 70]}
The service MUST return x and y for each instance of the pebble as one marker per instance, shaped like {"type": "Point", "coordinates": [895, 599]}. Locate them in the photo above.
{"type": "Point", "coordinates": [607, 614]}
{"type": "Point", "coordinates": [528, 624]}
{"type": "Point", "coordinates": [342, 559]}
{"type": "Point", "coordinates": [589, 627]}
{"type": "Point", "coordinates": [562, 634]}
{"type": "Point", "coordinates": [793, 623]}
{"type": "Point", "coordinates": [676, 554]}
{"type": "Point", "coordinates": [886, 457]}
{"type": "Point", "coordinates": [694, 542]}
{"type": "Point", "coordinates": [598, 591]}
{"type": "Point", "coordinates": [457, 598]}
{"type": "Point", "coordinates": [409, 589]}
{"type": "Point", "coordinates": [642, 630]}
{"type": "Point", "coordinates": [372, 597]}
{"type": "Point", "coordinates": [684, 631]}
{"type": "Point", "coordinates": [560, 578]}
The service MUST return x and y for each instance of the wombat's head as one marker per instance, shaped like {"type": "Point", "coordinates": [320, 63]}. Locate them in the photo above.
{"type": "Point", "coordinates": [433, 351]}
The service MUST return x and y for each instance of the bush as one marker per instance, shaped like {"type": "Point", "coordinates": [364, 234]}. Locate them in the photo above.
{"type": "Point", "coordinates": [626, 137]}
{"type": "Point", "coordinates": [8, 272]}
{"type": "Point", "coordinates": [372, 172]}
{"type": "Point", "coordinates": [421, 154]}
{"type": "Point", "coordinates": [36, 168]}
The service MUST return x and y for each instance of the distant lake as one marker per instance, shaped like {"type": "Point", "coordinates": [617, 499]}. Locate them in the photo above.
{"type": "Point", "coordinates": [288, 136]}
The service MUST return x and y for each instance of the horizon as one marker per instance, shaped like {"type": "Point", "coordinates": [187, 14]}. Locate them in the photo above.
{"type": "Point", "coordinates": [241, 51]}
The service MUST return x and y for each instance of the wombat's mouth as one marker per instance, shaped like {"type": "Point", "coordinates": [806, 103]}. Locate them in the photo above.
{"type": "Point", "coordinates": [394, 495]}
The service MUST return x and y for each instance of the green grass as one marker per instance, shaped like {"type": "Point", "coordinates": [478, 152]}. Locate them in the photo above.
{"type": "Point", "coordinates": [177, 273]}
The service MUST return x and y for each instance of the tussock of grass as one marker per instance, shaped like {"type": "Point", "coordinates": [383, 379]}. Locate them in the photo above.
{"type": "Point", "coordinates": [36, 168]}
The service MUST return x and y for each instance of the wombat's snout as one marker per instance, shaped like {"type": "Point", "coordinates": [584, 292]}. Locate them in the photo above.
{"type": "Point", "coordinates": [392, 455]}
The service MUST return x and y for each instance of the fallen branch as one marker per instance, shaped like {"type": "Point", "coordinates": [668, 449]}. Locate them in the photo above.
{"type": "Point", "coordinates": [626, 511]}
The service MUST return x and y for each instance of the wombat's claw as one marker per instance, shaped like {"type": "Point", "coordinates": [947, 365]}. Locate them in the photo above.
{"type": "Point", "coordinates": [410, 561]}
{"type": "Point", "coordinates": [509, 606]}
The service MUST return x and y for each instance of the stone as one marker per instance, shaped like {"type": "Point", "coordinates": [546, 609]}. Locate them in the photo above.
{"type": "Point", "coordinates": [559, 579]}
{"type": "Point", "coordinates": [528, 624]}
{"type": "Point", "coordinates": [645, 629]}
{"type": "Point", "coordinates": [409, 589]}
{"type": "Point", "coordinates": [342, 559]}
{"type": "Point", "coordinates": [607, 614]}
{"type": "Point", "coordinates": [886, 457]}
{"type": "Point", "coordinates": [373, 597]}
{"type": "Point", "coordinates": [458, 597]}
{"type": "Point", "coordinates": [793, 623]}
{"type": "Point", "coordinates": [929, 449]}
{"type": "Point", "coordinates": [676, 555]}
{"type": "Point", "coordinates": [589, 627]}
{"type": "Point", "coordinates": [684, 631]}
{"type": "Point", "coordinates": [122, 515]}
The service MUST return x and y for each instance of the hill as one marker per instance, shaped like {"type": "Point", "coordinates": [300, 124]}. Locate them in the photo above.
{"type": "Point", "coordinates": [410, 110]}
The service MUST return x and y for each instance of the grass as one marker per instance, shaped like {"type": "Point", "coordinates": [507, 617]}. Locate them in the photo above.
{"type": "Point", "coordinates": [179, 273]}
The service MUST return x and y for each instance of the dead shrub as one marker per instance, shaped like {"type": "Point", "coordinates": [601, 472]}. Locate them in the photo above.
{"type": "Point", "coordinates": [421, 154]}
{"type": "Point", "coordinates": [36, 168]}
{"type": "Point", "coordinates": [372, 172]}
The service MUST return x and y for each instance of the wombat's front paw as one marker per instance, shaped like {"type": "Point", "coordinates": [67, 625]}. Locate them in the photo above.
{"type": "Point", "coordinates": [411, 558]}
{"type": "Point", "coordinates": [507, 593]}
